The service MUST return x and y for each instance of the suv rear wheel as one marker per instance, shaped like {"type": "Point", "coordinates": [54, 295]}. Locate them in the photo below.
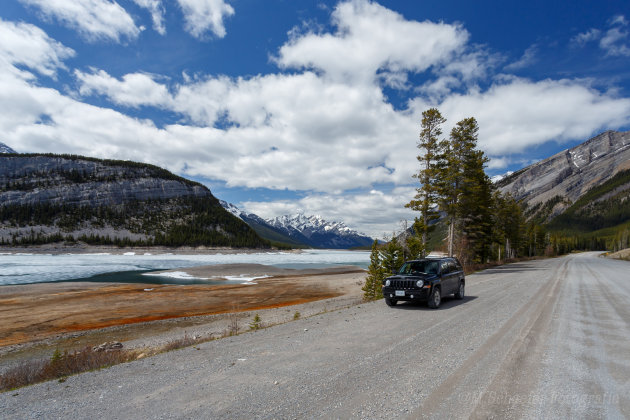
{"type": "Point", "coordinates": [435, 299]}
{"type": "Point", "coordinates": [460, 291]}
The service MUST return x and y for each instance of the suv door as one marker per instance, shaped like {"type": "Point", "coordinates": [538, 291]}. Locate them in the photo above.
{"type": "Point", "coordinates": [445, 278]}
{"type": "Point", "coordinates": [449, 278]}
{"type": "Point", "coordinates": [458, 275]}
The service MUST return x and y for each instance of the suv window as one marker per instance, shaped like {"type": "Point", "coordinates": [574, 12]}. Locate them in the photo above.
{"type": "Point", "coordinates": [446, 268]}
{"type": "Point", "coordinates": [427, 267]}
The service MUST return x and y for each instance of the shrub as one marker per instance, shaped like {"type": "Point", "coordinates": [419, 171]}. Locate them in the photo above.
{"type": "Point", "coordinates": [255, 324]}
{"type": "Point", "coordinates": [61, 365]}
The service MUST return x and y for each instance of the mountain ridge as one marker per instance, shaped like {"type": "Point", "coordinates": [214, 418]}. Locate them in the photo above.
{"type": "Point", "coordinates": [51, 198]}
{"type": "Point", "coordinates": [6, 149]}
{"type": "Point", "coordinates": [313, 230]}
{"type": "Point", "coordinates": [552, 185]}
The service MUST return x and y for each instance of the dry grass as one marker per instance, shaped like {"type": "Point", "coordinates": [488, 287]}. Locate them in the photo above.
{"type": "Point", "coordinates": [179, 343]}
{"type": "Point", "coordinates": [61, 365]}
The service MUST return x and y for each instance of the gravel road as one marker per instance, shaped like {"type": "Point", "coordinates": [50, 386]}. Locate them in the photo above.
{"type": "Point", "coordinates": [541, 339]}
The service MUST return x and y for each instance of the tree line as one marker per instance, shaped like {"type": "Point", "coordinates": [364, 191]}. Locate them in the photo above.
{"type": "Point", "coordinates": [183, 221]}
{"type": "Point", "coordinates": [459, 203]}
{"type": "Point", "coordinates": [481, 222]}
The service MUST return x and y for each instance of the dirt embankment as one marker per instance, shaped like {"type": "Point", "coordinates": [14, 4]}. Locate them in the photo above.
{"type": "Point", "coordinates": [624, 254]}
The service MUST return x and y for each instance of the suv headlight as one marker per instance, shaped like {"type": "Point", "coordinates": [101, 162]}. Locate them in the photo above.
{"type": "Point", "coordinates": [387, 282]}
{"type": "Point", "coordinates": [419, 283]}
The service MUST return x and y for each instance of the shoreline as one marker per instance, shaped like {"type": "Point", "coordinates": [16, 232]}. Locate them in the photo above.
{"type": "Point", "coordinates": [56, 249]}
{"type": "Point", "coordinates": [39, 317]}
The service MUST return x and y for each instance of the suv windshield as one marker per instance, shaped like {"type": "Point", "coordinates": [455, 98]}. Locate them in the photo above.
{"type": "Point", "coordinates": [419, 267]}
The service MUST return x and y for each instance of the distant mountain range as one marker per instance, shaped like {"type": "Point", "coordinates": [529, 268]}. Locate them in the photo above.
{"type": "Point", "coordinates": [298, 229]}
{"type": "Point", "coordinates": [6, 149]}
{"type": "Point", "coordinates": [47, 198]}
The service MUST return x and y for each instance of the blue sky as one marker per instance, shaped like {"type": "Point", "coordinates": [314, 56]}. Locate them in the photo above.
{"type": "Point", "coordinates": [282, 106]}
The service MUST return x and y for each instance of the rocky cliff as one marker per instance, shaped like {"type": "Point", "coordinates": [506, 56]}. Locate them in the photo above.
{"type": "Point", "coordinates": [40, 179]}
{"type": "Point", "coordinates": [562, 179]}
{"type": "Point", "coordinates": [50, 198]}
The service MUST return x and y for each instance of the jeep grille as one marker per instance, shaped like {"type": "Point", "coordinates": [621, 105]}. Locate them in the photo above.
{"type": "Point", "coordinates": [403, 284]}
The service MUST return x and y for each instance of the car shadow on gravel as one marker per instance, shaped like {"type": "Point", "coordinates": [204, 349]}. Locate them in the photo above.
{"type": "Point", "coordinates": [447, 303]}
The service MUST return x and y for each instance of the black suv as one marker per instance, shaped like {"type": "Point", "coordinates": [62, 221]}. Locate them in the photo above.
{"type": "Point", "coordinates": [426, 279]}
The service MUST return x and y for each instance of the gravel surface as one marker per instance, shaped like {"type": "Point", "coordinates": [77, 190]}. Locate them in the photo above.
{"type": "Point", "coordinates": [525, 332]}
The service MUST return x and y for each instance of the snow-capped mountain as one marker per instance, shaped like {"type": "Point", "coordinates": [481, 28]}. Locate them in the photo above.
{"type": "Point", "coordinates": [6, 149]}
{"type": "Point", "coordinates": [313, 231]}
{"type": "Point", "coordinates": [261, 227]}
{"type": "Point", "coordinates": [319, 233]}
{"type": "Point", "coordinates": [231, 208]}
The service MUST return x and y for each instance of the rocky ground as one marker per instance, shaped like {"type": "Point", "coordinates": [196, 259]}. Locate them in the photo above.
{"type": "Point", "coordinates": [36, 319]}
{"type": "Point", "coordinates": [540, 339]}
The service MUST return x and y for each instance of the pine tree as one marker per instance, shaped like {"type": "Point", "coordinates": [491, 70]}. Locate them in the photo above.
{"type": "Point", "coordinates": [415, 247]}
{"type": "Point", "coordinates": [475, 207]}
{"type": "Point", "coordinates": [508, 225]}
{"type": "Point", "coordinates": [392, 256]}
{"type": "Point", "coordinates": [458, 151]}
{"type": "Point", "coordinates": [372, 289]}
{"type": "Point", "coordinates": [431, 163]}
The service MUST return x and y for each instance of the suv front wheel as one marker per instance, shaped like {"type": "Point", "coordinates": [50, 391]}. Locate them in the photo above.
{"type": "Point", "coordinates": [390, 302]}
{"type": "Point", "coordinates": [435, 299]}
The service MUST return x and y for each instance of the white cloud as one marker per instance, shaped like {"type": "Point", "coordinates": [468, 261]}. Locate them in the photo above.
{"type": "Point", "coordinates": [588, 36]}
{"type": "Point", "coordinates": [278, 131]}
{"type": "Point", "coordinates": [521, 114]}
{"type": "Point", "coordinates": [370, 37]}
{"type": "Point", "coordinates": [528, 58]}
{"type": "Point", "coordinates": [615, 40]}
{"type": "Point", "coordinates": [94, 19]}
{"type": "Point", "coordinates": [156, 9]}
{"type": "Point", "coordinates": [202, 16]}
{"type": "Point", "coordinates": [27, 45]}
{"type": "Point", "coordinates": [307, 131]}
{"type": "Point", "coordinates": [518, 113]}
{"type": "Point", "coordinates": [135, 89]}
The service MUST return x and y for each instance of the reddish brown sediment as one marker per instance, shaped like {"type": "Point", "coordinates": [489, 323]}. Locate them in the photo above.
{"type": "Point", "coordinates": [38, 311]}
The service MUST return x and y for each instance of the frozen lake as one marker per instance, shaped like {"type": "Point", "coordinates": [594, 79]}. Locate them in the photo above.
{"type": "Point", "coordinates": [23, 268]}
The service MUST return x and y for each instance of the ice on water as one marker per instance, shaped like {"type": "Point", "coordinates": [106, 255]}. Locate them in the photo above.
{"type": "Point", "coordinates": [36, 268]}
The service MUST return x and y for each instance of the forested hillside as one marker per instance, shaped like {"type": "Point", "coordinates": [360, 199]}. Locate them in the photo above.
{"type": "Point", "coordinates": [51, 198]}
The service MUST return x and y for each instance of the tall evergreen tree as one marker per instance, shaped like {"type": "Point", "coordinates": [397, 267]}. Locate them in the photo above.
{"type": "Point", "coordinates": [475, 206]}
{"type": "Point", "coordinates": [458, 152]}
{"type": "Point", "coordinates": [431, 167]}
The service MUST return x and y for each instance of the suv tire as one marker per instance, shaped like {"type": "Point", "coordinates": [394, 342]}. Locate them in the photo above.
{"type": "Point", "coordinates": [390, 302]}
{"type": "Point", "coordinates": [460, 291]}
{"type": "Point", "coordinates": [435, 299]}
